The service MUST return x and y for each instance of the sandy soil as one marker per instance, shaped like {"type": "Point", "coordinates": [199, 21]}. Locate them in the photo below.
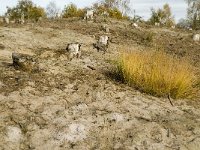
{"type": "Point", "coordinates": [68, 105]}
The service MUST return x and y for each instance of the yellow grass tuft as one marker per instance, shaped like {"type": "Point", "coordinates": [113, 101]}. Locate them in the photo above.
{"type": "Point", "coordinates": [158, 74]}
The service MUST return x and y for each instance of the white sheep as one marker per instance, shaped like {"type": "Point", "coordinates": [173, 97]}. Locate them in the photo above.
{"type": "Point", "coordinates": [89, 14]}
{"type": "Point", "coordinates": [173, 27]}
{"type": "Point", "coordinates": [74, 50]}
{"type": "Point", "coordinates": [105, 14]}
{"type": "Point", "coordinates": [157, 24]}
{"type": "Point", "coordinates": [105, 28]}
{"type": "Point", "coordinates": [39, 19]}
{"type": "Point", "coordinates": [196, 37]}
{"type": "Point", "coordinates": [22, 21]}
{"type": "Point", "coordinates": [7, 20]}
{"type": "Point", "coordinates": [103, 40]}
{"type": "Point", "coordinates": [102, 43]}
{"type": "Point", "coordinates": [135, 25]}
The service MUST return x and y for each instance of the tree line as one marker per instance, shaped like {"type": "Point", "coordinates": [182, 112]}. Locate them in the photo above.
{"type": "Point", "coordinates": [118, 9]}
{"type": "Point", "coordinates": [115, 8]}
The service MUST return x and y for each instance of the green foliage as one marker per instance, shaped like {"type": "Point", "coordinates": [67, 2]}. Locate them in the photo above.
{"type": "Point", "coordinates": [36, 12]}
{"type": "Point", "coordinates": [28, 8]}
{"type": "Point", "coordinates": [122, 5]}
{"type": "Point", "coordinates": [100, 8]}
{"type": "Point", "coordinates": [81, 12]}
{"type": "Point", "coordinates": [193, 13]}
{"type": "Point", "coordinates": [155, 16]}
{"type": "Point", "coordinates": [162, 16]}
{"type": "Point", "coordinates": [115, 13]}
{"type": "Point", "coordinates": [109, 7]}
{"type": "Point", "coordinates": [72, 11]}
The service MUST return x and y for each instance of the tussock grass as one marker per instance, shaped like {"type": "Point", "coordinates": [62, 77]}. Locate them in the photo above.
{"type": "Point", "coordinates": [158, 74]}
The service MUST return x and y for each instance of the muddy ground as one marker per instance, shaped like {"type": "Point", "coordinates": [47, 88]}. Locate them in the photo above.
{"type": "Point", "coordinates": [78, 104]}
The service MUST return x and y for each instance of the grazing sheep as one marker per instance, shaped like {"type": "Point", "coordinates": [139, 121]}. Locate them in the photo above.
{"type": "Point", "coordinates": [7, 20]}
{"type": "Point", "coordinates": [39, 19]}
{"type": "Point", "coordinates": [105, 14]}
{"type": "Point", "coordinates": [196, 37]}
{"type": "Point", "coordinates": [104, 39]}
{"type": "Point", "coordinates": [102, 43]}
{"type": "Point", "coordinates": [135, 25]}
{"type": "Point", "coordinates": [100, 47]}
{"type": "Point", "coordinates": [157, 24]}
{"type": "Point", "coordinates": [74, 49]}
{"type": "Point", "coordinates": [105, 28]}
{"type": "Point", "coordinates": [173, 27]}
{"type": "Point", "coordinates": [24, 62]}
{"type": "Point", "coordinates": [89, 15]}
{"type": "Point", "coordinates": [22, 21]}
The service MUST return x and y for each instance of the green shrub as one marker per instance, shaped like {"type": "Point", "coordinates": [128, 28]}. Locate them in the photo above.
{"type": "Point", "coordinates": [113, 12]}
{"type": "Point", "coordinates": [28, 8]}
{"type": "Point", "coordinates": [163, 16]}
{"type": "Point", "coordinates": [72, 11]}
{"type": "Point", "coordinates": [36, 12]}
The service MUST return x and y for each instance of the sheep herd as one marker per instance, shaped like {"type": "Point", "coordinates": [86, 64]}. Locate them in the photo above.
{"type": "Point", "coordinates": [74, 49]}
{"type": "Point", "coordinates": [7, 19]}
{"type": "Point", "coordinates": [28, 63]}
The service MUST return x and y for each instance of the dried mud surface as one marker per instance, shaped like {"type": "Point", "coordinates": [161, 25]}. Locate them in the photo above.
{"type": "Point", "coordinates": [68, 105]}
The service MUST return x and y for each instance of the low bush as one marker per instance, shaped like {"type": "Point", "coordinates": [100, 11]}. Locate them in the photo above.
{"type": "Point", "coordinates": [162, 16]}
{"type": "Point", "coordinates": [113, 12]}
{"type": "Point", "coordinates": [158, 74]}
{"type": "Point", "coordinates": [72, 11]}
{"type": "Point", "coordinates": [26, 7]}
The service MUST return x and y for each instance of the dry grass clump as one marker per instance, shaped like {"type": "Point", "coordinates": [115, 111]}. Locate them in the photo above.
{"type": "Point", "coordinates": [158, 74]}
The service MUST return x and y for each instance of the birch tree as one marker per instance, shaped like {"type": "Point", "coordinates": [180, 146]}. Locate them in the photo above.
{"type": "Point", "coordinates": [193, 13]}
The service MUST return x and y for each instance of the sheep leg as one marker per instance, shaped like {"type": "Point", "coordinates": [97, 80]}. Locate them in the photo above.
{"type": "Point", "coordinates": [78, 55]}
{"type": "Point", "coordinates": [70, 56]}
{"type": "Point", "coordinates": [104, 52]}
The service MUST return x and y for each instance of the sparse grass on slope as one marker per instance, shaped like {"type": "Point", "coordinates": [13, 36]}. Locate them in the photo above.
{"type": "Point", "coordinates": [158, 74]}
